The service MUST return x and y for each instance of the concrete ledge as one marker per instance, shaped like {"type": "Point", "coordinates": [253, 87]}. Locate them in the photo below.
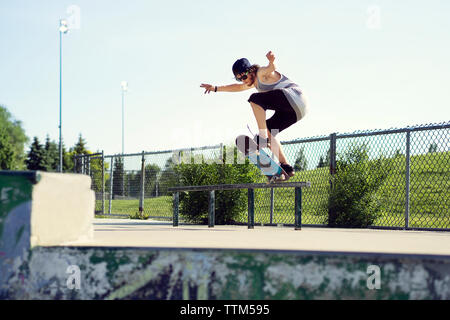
{"type": "Point", "coordinates": [41, 208]}
{"type": "Point", "coordinates": [62, 209]}
{"type": "Point", "coordinates": [46, 208]}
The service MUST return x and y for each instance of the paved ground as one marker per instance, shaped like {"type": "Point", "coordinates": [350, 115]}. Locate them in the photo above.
{"type": "Point", "coordinates": [138, 233]}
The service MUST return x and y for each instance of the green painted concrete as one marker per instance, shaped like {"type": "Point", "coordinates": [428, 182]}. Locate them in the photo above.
{"type": "Point", "coordinates": [150, 273]}
{"type": "Point", "coordinates": [15, 216]}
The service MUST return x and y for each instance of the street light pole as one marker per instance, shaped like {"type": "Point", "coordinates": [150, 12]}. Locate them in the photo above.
{"type": "Point", "coordinates": [62, 29]}
{"type": "Point", "coordinates": [124, 86]}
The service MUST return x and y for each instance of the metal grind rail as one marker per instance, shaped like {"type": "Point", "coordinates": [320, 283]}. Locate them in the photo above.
{"type": "Point", "coordinates": [251, 199]}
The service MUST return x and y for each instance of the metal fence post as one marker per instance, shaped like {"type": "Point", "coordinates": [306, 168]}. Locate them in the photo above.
{"type": "Point", "coordinates": [251, 208]}
{"type": "Point", "coordinates": [141, 198]}
{"type": "Point", "coordinates": [332, 165]}
{"type": "Point", "coordinates": [111, 178]}
{"type": "Point", "coordinates": [211, 209]}
{"type": "Point", "coordinates": [272, 195]}
{"type": "Point", "coordinates": [176, 202]}
{"type": "Point", "coordinates": [407, 177]}
{"type": "Point", "coordinates": [103, 182]}
{"type": "Point", "coordinates": [298, 208]}
{"type": "Point", "coordinates": [333, 153]}
{"type": "Point", "coordinates": [123, 175]}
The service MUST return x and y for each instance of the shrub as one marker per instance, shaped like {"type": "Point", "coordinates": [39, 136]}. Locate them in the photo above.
{"type": "Point", "coordinates": [353, 200]}
{"type": "Point", "coordinates": [139, 215]}
{"type": "Point", "coordinates": [229, 204]}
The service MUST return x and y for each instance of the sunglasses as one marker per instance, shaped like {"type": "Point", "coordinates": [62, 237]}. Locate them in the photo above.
{"type": "Point", "coordinates": [243, 76]}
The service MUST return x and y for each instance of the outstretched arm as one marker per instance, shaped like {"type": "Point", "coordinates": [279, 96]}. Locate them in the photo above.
{"type": "Point", "coordinates": [228, 88]}
{"type": "Point", "coordinates": [264, 72]}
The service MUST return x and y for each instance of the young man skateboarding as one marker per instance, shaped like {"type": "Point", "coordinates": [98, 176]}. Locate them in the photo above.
{"type": "Point", "coordinates": [275, 92]}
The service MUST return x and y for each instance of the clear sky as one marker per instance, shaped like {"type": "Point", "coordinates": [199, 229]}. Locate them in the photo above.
{"type": "Point", "coordinates": [362, 64]}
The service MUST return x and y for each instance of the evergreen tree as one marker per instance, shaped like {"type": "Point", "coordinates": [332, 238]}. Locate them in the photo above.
{"type": "Point", "coordinates": [77, 150]}
{"type": "Point", "coordinates": [433, 148]}
{"type": "Point", "coordinates": [35, 157]}
{"type": "Point", "coordinates": [118, 177]}
{"type": "Point", "coordinates": [321, 163]}
{"type": "Point", "coordinates": [80, 146]}
{"type": "Point", "coordinates": [51, 155]}
{"type": "Point", "coordinates": [398, 153]}
{"type": "Point", "coordinates": [325, 162]}
{"type": "Point", "coordinates": [301, 163]}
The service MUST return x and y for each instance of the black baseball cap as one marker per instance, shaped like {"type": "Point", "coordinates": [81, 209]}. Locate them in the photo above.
{"type": "Point", "coordinates": [241, 66]}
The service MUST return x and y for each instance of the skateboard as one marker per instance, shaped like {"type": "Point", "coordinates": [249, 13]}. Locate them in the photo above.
{"type": "Point", "coordinates": [261, 159]}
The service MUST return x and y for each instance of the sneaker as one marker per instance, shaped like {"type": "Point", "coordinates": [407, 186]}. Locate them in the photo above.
{"type": "Point", "coordinates": [275, 179]}
{"type": "Point", "coordinates": [288, 169]}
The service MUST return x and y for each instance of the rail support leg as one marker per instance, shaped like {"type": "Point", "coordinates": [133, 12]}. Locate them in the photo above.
{"type": "Point", "coordinates": [298, 208]}
{"type": "Point", "coordinates": [176, 202]}
{"type": "Point", "coordinates": [251, 208]}
{"type": "Point", "coordinates": [211, 209]}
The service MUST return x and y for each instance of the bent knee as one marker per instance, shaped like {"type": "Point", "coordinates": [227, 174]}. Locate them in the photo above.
{"type": "Point", "coordinates": [253, 97]}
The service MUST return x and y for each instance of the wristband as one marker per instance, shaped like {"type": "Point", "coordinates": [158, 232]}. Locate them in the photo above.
{"type": "Point", "coordinates": [215, 89]}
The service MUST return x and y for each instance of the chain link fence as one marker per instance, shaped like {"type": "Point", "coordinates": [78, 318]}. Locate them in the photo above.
{"type": "Point", "coordinates": [415, 194]}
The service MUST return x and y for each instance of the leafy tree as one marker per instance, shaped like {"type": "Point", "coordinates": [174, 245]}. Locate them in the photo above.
{"type": "Point", "coordinates": [96, 173]}
{"type": "Point", "coordinates": [67, 159]}
{"type": "Point", "coordinates": [6, 151]}
{"type": "Point", "coordinates": [151, 173]}
{"type": "Point", "coordinates": [168, 177]}
{"type": "Point", "coordinates": [15, 135]}
{"type": "Point", "coordinates": [133, 183]}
